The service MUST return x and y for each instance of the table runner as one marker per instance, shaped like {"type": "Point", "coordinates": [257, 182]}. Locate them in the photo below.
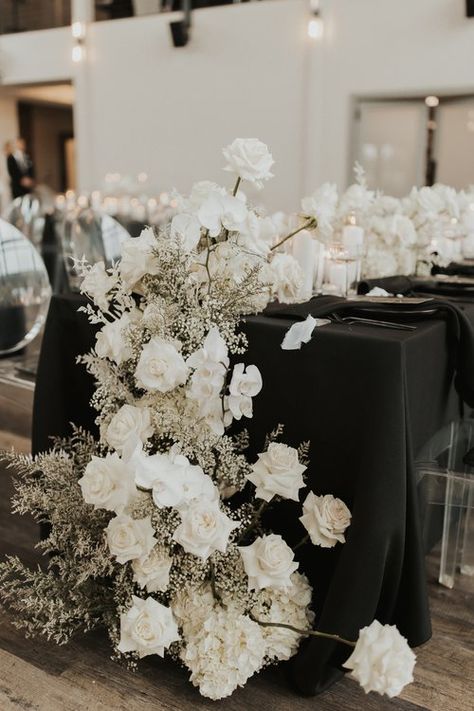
{"type": "Point", "coordinates": [367, 399]}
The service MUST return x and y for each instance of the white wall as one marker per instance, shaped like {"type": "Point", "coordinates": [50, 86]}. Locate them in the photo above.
{"type": "Point", "coordinates": [250, 70]}
{"type": "Point", "coordinates": [388, 48]}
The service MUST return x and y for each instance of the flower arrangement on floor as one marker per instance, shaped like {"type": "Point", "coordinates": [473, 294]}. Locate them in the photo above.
{"type": "Point", "coordinates": [146, 538]}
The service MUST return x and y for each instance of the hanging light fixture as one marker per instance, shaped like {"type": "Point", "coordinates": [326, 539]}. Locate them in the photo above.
{"type": "Point", "coordinates": [315, 23]}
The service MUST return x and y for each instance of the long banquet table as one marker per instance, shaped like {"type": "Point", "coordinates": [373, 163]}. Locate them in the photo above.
{"type": "Point", "coordinates": [367, 399]}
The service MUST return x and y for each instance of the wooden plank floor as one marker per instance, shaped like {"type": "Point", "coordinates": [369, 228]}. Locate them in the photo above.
{"type": "Point", "coordinates": [37, 676]}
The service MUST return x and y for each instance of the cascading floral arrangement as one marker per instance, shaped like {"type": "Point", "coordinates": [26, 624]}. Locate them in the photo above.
{"type": "Point", "coordinates": [146, 537]}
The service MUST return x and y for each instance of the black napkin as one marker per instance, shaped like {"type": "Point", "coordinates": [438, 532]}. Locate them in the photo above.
{"type": "Point", "coordinates": [454, 269]}
{"type": "Point", "coordinates": [394, 285]}
{"type": "Point", "coordinates": [460, 329]}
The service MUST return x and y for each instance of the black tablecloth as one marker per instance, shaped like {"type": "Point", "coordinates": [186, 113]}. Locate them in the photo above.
{"type": "Point", "coordinates": [367, 399]}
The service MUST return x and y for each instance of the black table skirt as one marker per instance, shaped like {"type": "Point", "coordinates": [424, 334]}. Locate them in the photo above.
{"type": "Point", "coordinates": [367, 399]}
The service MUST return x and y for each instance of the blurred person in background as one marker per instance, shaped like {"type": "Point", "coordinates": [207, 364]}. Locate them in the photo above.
{"type": "Point", "coordinates": [20, 169]}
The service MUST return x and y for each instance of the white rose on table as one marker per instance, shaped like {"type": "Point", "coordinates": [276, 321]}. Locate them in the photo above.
{"type": "Point", "coordinates": [382, 661]}
{"type": "Point", "coordinates": [326, 519]}
{"type": "Point", "coordinates": [153, 572]}
{"type": "Point", "coordinates": [160, 366]}
{"type": "Point", "coordinates": [186, 230]}
{"type": "Point", "coordinates": [249, 159]}
{"type": "Point", "coordinates": [277, 472]}
{"type": "Point", "coordinates": [222, 211]}
{"type": "Point", "coordinates": [129, 538]}
{"type": "Point", "coordinates": [111, 342]}
{"type": "Point", "coordinates": [129, 427]}
{"type": "Point", "coordinates": [204, 528]}
{"type": "Point", "coordinates": [97, 284]}
{"type": "Point", "coordinates": [172, 479]}
{"type": "Point", "coordinates": [138, 258]}
{"type": "Point", "coordinates": [287, 278]}
{"type": "Point", "coordinates": [269, 563]}
{"type": "Point", "coordinates": [244, 385]}
{"type": "Point", "coordinates": [322, 205]}
{"type": "Point", "coordinates": [108, 483]}
{"type": "Point", "coordinates": [147, 628]}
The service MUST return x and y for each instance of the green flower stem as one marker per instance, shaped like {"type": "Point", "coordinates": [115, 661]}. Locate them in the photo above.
{"type": "Point", "coordinates": [304, 540]}
{"type": "Point", "coordinates": [304, 633]}
{"type": "Point", "coordinates": [310, 224]}
{"type": "Point", "coordinates": [236, 186]}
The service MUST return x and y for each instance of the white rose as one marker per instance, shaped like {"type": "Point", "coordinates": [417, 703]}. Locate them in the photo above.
{"type": "Point", "coordinates": [382, 661]}
{"type": "Point", "coordinates": [97, 284]}
{"type": "Point", "coordinates": [277, 472]}
{"type": "Point", "coordinates": [245, 384]}
{"type": "Point", "coordinates": [137, 257]}
{"type": "Point", "coordinates": [325, 518]}
{"type": "Point", "coordinates": [204, 528]}
{"type": "Point", "coordinates": [160, 366]}
{"type": "Point", "coordinates": [322, 205]}
{"type": "Point", "coordinates": [108, 483]}
{"type": "Point", "coordinates": [111, 341]}
{"type": "Point", "coordinates": [249, 159]}
{"type": "Point", "coordinates": [269, 563]}
{"type": "Point", "coordinates": [153, 572]}
{"type": "Point", "coordinates": [130, 538]}
{"type": "Point", "coordinates": [127, 428]}
{"type": "Point", "coordinates": [201, 191]}
{"type": "Point", "coordinates": [172, 479]}
{"type": "Point", "coordinates": [147, 628]}
{"type": "Point", "coordinates": [287, 278]}
{"type": "Point", "coordinates": [186, 229]}
{"type": "Point", "coordinates": [222, 211]}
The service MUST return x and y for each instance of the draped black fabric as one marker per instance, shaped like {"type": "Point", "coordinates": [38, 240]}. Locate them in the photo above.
{"type": "Point", "coordinates": [367, 399]}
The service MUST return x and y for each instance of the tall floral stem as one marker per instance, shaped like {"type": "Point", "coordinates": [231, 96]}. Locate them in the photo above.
{"type": "Point", "coordinates": [236, 186]}
{"type": "Point", "coordinates": [304, 633]}
{"type": "Point", "coordinates": [310, 224]}
{"type": "Point", "coordinates": [254, 521]}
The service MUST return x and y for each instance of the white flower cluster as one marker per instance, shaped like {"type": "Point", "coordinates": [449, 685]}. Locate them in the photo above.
{"type": "Point", "coordinates": [170, 382]}
{"type": "Point", "coordinates": [400, 233]}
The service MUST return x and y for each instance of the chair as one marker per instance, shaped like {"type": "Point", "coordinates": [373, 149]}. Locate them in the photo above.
{"type": "Point", "coordinates": [445, 473]}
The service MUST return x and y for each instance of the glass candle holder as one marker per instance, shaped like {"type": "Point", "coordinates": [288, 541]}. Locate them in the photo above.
{"type": "Point", "coordinates": [340, 270]}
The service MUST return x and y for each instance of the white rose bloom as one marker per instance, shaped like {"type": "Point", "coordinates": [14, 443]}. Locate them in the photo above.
{"type": "Point", "coordinates": [153, 572]}
{"type": "Point", "coordinates": [245, 384]}
{"type": "Point", "coordinates": [322, 205]}
{"type": "Point", "coordinates": [129, 427]}
{"type": "Point", "coordinates": [108, 483]}
{"type": "Point", "coordinates": [214, 350]}
{"type": "Point", "coordinates": [249, 159]}
{"type": "Point", "coordinates": [129, 538]}
{"type": "Point", "coordinates": [137, 257]}
{"type": "Point", "coordinates": [222, 211]}
{"type": "Point", "coordinates": [277, 472]}
{"type": "Point", "coordinates": [160, 366]}
{"type": "Point", "coordinates": [382, 661]}
{"type": "Point", "coordinates": [147, 628]}
{"type": "Point", "coordinates": [172, 479]}
{"type": "Point", "coordinates": [111, 341]}
{"type": "Point", "coordinates": [97, 284]}
{"type": "Point", "coordinates": [204, 528]}
{"type": "Point", "coordinates": [201, 191]}
{"type": "Point", "coordinates": [287, 278]}
{"type": "Point", "coordinates": [325, 518]}
{"type": "Point", "coordinates": [269, 563]}
{"type": "Point", "coordinates": [186, 229]}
